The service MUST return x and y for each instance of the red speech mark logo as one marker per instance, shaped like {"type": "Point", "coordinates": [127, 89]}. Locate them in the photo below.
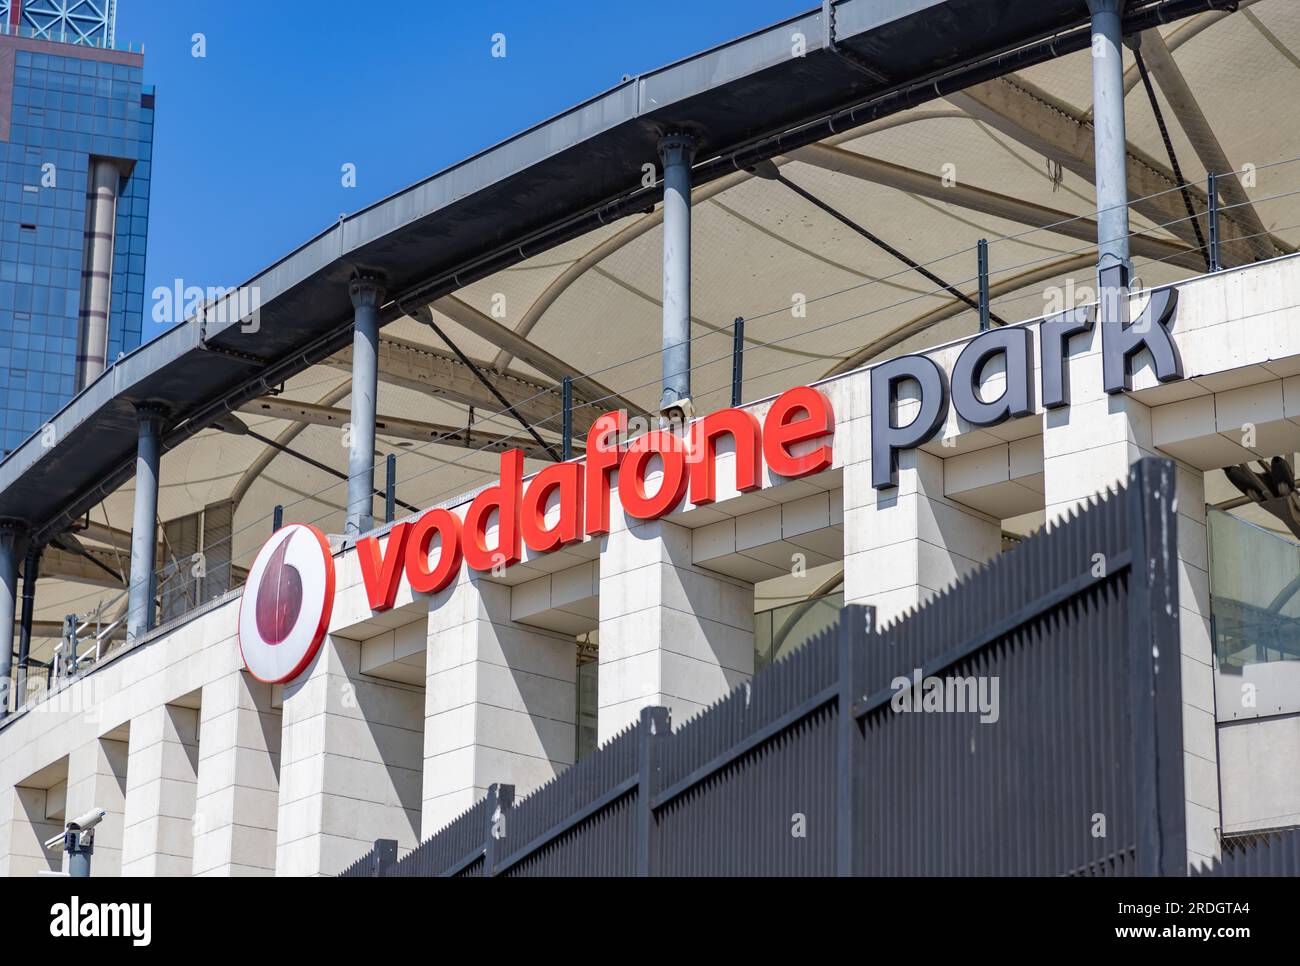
{"type": "Point", "coordinates": [279, 596]}
{"type": "Point", "coordinates": [287, 603]}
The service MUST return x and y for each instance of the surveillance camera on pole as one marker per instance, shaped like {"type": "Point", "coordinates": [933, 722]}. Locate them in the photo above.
{"type": "Point", "coordinates": [78, 840]}
{"type": "Point", "coordinates": [676, 414]}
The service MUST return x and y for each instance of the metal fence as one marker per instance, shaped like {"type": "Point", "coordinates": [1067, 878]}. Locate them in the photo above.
{"type": "Point", "coordinates": [1073, 765]}
{"type": "Point", "coordinates": [1274, 853]}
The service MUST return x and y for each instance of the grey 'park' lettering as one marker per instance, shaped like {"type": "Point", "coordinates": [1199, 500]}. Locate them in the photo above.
{"type": "Point", "coordinates": [1120, 344]}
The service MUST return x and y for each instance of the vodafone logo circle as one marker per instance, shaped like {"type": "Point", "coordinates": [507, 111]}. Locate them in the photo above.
{"type": "Point", "coordinates": [287, 602]}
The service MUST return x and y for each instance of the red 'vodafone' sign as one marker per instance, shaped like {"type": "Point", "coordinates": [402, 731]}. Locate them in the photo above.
{"type": "Point", "coordinates": [289, 595]}
{"type": "Point", "coordinates": [583, 487]}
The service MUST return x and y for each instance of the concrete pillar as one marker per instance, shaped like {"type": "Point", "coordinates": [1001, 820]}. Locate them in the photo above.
{"type": "Point", "coordinates": [671, 634]}
{"type": "Point", "coordinates": [24, 829]}
{"type": "Point", "coordinates": [1088, 448]}
{"type": "Point", "coordinates": [350, 764]}
{"type": "Point", "coordinates": [10, 534]}
{"type": "Point", "coordinates": [97, 269]}
{"type": "Point", "coordinates": [238, 794]}
{"type": "Point", "coordinates": [904, 544]}
{"type": "Point", "coordinates": [366, 296]}
{"type": "Point", "coordinates": [676, 152]}
{"type": "Point", "coordinates": [1110, 141]}
{"type": "Point", "coordinates": [144, 527]}
{"type": "Point", "coordinates": [97, 779]}
{"type": "Point", "coordinates": [500, 700]}
{"type": "Point", "coordinates": [1196, 642]}
{"type": "Point", "coordinates": [161, 776]}
{"type": "Point", "coordinates": [1089, 445]}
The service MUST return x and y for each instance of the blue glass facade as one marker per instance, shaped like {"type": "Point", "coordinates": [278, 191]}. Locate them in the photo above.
{"type": "Point", "coordinates": [67, 107]}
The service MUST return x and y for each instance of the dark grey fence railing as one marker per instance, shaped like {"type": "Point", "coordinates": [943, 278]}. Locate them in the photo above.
{"type": "Point", "coordinates": [1275, 853]}
{"type": "Point", "coordinates": [809, 769]}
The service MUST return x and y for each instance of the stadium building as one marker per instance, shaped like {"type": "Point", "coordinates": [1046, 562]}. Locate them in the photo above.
{"type": "Point", "coordinates": [623, 410]}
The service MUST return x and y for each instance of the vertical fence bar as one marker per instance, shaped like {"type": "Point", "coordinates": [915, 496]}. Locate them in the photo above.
{"type": "Point", "coordinates": [737, 359]}
{"type": "Point", "coordinates": [390, 488]}
{"type": "Point", "coordinates": [496, 819]}
{"type": "Point", "coordinates": [856, 624]}
{"type": "Point", "coordinates": [983, 249]}
{"type": "Point", "coordinates": [277, 518]}
{"type": "Point", "coordinates": [656, 726]}
{"type": "Point", "coordinates": [566, 452]}
{"type": "Point", "coordinates": [1212, 190]}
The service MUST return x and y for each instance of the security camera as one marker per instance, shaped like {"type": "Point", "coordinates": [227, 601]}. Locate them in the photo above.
{"type": "Point", "coordinates": [88, 821]}
{"type": "Point", "coordinates": [80, 827]}
{"type": "Point", "coordinates": [677, 413]}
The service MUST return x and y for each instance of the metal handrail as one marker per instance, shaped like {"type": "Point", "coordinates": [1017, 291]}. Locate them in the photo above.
{"type": "Point", "coordinates": [104, 42]}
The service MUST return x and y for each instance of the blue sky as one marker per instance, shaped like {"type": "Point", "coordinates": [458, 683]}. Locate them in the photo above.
{"type": "Point", "coordinates": [250, 139]}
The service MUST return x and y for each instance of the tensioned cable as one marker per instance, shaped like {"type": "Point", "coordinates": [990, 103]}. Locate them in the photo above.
{"type": "Point", "coordinates": [478, 374]}
{"type": "Point", "coordinates": [1169, 149]}
{"type": "Point", "coordinates": [876, 240]}
{"type": "Point", "coordinates": [1052, 226]}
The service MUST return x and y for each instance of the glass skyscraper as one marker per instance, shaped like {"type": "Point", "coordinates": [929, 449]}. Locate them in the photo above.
{"type": "Point", "coordinates": [76, 140]}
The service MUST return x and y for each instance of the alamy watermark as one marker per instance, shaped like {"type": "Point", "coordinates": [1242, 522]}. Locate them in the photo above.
{"type": "Point", "coordinates": [952, 694]}
{"type": "Point", "coordinates": [215, 304]}
{"type": "Point", "coordinates": [124, 920]}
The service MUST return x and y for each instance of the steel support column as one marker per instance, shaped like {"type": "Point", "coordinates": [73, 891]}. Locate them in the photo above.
{"type": "Point", "coordinates": [367, 294]}
{"type": "Point", "coordinates": [144, 527]}
{"type": "Point", "coordinates": [1110, 140]}
{"type": "Point", "coordinates": [10, 536]}
{"type": "Point", "coordinates": [676, 151]}
{"type": "Point", "coordinates": [31, 571]}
